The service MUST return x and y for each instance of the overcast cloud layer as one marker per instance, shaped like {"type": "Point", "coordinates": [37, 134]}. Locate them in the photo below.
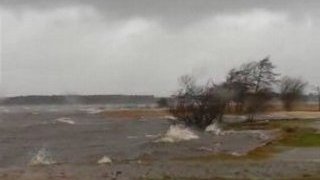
{"type": "Point", "coordinates": [143, 46]}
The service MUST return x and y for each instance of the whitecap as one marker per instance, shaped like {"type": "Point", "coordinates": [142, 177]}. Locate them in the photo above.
{"type": "Point", "coordinates": [65, 120]}
{"type": "Point", "coordinates": [41, 158]}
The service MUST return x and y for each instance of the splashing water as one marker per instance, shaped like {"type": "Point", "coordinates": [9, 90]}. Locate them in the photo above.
{"type": "Point", "coordinates": [65, 120]}
{"type": "Point", "coordinates": [105, 160]}
{"type": "Point", "coordinates": [41, 158]}
{"type": "Point", "coordinates": [214, 129]}
{"type": "Point", "coordinates": [177, 133]}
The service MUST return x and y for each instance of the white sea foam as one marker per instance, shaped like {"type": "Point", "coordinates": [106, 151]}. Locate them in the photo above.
{"type": "Point", "coordinates": [152, 135]}
{"type": "Point", "coordinates": [105, 160]}
{"type": "Point", "coordinates": [41, 158]}
{"type": "Point", "coordinates": [65, 120]}
{"type": "Point", "coordinates": [94, 110]}
{"type": "Point", "coordinates": [177, 133]}
{"type": "Point", "coordinates": [214, 129]}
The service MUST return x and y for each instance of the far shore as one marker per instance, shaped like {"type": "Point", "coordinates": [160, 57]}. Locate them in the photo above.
{"type": "Point", "coordinates": [141, 113]}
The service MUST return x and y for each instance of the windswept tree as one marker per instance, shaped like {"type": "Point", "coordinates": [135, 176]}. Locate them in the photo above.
{"type": "Point", "coordinates": [263, 75]}
{"type": "Point", "coordinates": [239, 82]}
{"type": "Point", "coordinates": [252, 86]}
{"type": "Point", "coordinates": [291, 90]}
{"type": "Point", "coordinates": [219, 96]}
{"type": "Point", "coordinates": [249, 86]}
{"type": "Point", "coordinates": [199, 106]}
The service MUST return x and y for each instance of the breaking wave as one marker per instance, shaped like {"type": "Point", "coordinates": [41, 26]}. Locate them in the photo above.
{"type": "Point", "coordinates": [214, 129]}
{"type": "Point", "coordinates": [42, 158]}
{"type": "Point", "coordinates": [178, 133]}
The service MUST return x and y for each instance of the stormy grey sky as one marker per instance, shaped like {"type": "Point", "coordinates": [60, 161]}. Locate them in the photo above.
{"type": "Point", "coordinates": [143, 46]}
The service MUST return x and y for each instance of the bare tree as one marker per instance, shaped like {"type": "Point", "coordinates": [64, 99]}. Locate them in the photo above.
{"type": "Point", "coordinates": [291, 90]}
{"type": "Point", "coordinates": [252, 85]}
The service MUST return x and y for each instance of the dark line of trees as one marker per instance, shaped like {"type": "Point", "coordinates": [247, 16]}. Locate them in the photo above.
{"type": "Point", "coordinates": [247, 89]}
{"type": "Point", "coordinates": [80, 99]}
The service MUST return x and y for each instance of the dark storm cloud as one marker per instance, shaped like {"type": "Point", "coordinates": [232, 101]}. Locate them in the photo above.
{"type": "Point", "coordinates": [143, 46]}
{"type": "Point", "coordinates": [176, 12]}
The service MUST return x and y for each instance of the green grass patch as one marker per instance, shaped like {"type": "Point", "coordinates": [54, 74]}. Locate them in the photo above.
{"type": "Point", "coordinates": [300, 137]}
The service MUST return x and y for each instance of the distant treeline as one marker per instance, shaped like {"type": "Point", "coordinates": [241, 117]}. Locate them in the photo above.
{"type": "Point", "coordinates": [80, 99]}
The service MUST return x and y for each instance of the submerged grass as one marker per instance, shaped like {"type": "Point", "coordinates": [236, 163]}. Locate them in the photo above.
{"type": "Point", "coordinates": [260, 153]}
{"type": "Point", "coordinates": [265, 125]}
{"type": "Point", "coordinates": [294, 133]}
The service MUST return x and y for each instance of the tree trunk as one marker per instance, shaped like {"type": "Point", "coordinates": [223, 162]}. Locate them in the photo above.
{"type": "Point", "coordinates": [318, 89]}
{"type": "Point", "coordinates": [319, 102]}
{"type": "Point", "coordinates": [250, 117]}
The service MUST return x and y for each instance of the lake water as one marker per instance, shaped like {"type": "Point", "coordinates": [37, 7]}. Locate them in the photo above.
{"type": "Point", "coordinates": [79, 134]}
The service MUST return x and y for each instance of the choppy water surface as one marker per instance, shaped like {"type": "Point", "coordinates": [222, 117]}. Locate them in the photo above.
{"type": "Point", "coordinates": [78, 134]}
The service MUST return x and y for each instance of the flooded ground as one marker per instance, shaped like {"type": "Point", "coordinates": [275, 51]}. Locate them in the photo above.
{"type": "Point", "coordinates": [80, 142]}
